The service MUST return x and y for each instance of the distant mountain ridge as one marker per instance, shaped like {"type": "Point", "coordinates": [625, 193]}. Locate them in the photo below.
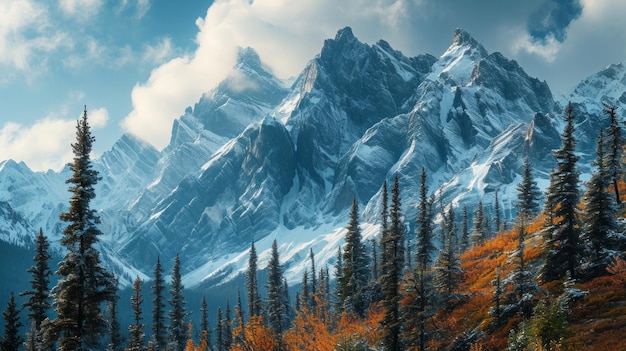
{"type": "Point", "coordinates": [256, 159]}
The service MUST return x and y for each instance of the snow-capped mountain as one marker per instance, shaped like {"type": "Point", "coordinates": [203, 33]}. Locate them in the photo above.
{"type": "Point", "coordinates": [256, 160]}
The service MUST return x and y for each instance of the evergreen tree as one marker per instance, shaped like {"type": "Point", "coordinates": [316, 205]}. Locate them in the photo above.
{"type": "Point", "coordinates": [599, 217]}
{"type": "Point", "coordinates": [478, 235]}
{"type": "Point", "coordinates": [38, 303]}
{"type": "Point", "coordinates": [84, 285]}
{"type": "Point", "coordinates": [338, 274]}
{"type": "Point", "coordinates": [228, 331]}
{"type": "Point", "coordinates": [497, 220]}
{"type": "Point", "coordinates": [425, 246]}
{"type": "Point", "coordinates": [614, 153]}
{"type": "Point", "coordinates": [159, 332]}
{"type": "Point", "coordinates": [304, 297]}
{"type": "Point", "coordinates": [562, 249]}
{"type": "Point", "coordinates": [274, 291]}
{"type": "Point", "coordinates": [12, 339]}
{"type": "Point", "coordinates": [393, 261]}
{"type": "Point", "coordinates": [498, 292]}
{"type": "Point", "coordinates": [528, 195]}
{"type": "Point", "coordinates": [313, 287]}
{"type": "Point", "coordinates": [448, 271]}
{"type": "Point", "coordinates": [355, 269]}
{"type": "Point", "coordinates": [115, 341]}
{"type": "Point", "coordinates": [135, 331]}
{"type": "Point", "coordinates": [241, 323]}
{"type": "Point", "coordinates": [204, 323]}
{"type": "Point", "coordinates": [252, 286]}
{"type": "Point", "coordinates": [177, 315]}
{"type": "Point", "coordinates": [417, 307]}
{"type": "Point", "coordinates": [464, 242]}
{"type": "Point", "coordinates": [219, 330]}
{"type": "Point", "coordinates": [521, 279]}
{"type": "Point", "coordinates": [374, 259]}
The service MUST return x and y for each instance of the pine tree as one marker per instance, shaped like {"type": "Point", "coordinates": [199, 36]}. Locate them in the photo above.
{"type": "Point", "coordinates": [496, 310]}
{"type": "Point", "coordinates": [135, 331]}
{"type": "Point", "coordinates": [38, 303]}
{"type": "Point", "coordinates": [204, 323]}
{"type": "Point", "coordinates": [614, 152]}
{"type": "Point", "coordinates": [159, 332]}
{"type": "Point", "coordinates": [521, 279]}
{"type": "Point", "coordinates": [355, 268]}
{"type": "Point", "coordinates": [562, 249]}
{"type": "Point", "coordinates": [425, 246]}
{"type": "Point", "coordinates": [12, 339]}
{"type": "Point", "coordinates": [417, 307]}
{"type": "Point", "coordinates": [219, 330]}
{"type": "Point", "coordinates": [115, 341]}
{"type": "Point", "coordinates": [464, 242]}
{"type": "Point", "coordinates": [241, 323]}
{"type": "Point", "coordinates": [528, 195]}
{"type": "Point", "coordinates": [274, 291]}
{"type": "Point", "coordinates": [448, 271]}
{"type": "Point", "coordinates": [252, 286]}
{"type": "Point", "coordinates": [338, 274]}
{"type": "Point", "coordinates": [497, 220]}
{"type": "Point", "coordinates": [84, 285]}
{"type": "Point", "coordinates": [304, 297]}
{"type": "Point", "coordinates": [599, 224]}
{"type": "Point", "coordinates": [478, 231]}
{"type": "Point", "coordinates": [177, 315]}
{"type": "Point", "coordinates": [228, 331]}
{"type": "Point", "coordinates": [393, 261]}
{"type": "Point", "coordinates": [313, 287]}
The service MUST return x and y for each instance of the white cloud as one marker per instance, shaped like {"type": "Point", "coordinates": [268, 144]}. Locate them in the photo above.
{"type": "Point", "coordinates": [548, 49]}
{"type": "Point", "coordinates": [141, 6]}
{"type": "Point", "coordinates": [46, 144]}
{"type": "Point", "coordinates": [286, 34]}
{"type": "Point", "coordinates": [82, 9]}
{"type": "Point", "coordinates": [158, 53]}
{"type": "Point", "coordinates": [24, 32]}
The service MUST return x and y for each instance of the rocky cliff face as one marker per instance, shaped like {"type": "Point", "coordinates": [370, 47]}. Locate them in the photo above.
{"type": "Point", "coordinates": [255, 160]}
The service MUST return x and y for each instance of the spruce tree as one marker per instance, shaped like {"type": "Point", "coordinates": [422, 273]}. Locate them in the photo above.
{"type": "Point", "coordinates": [219, 330]}
{"type": "Point", "coordinates": [84, 285]}
{"type": "Point", "coordinates": [497, 219]}
{"type": "Point", "coordinates": [528, 195]}
{"type": "Point", "coordinates": [478, 231]}
{"type": "Point", "coordinates": [252, 286]}
{"type": "Point", "coordinates": [425, 246]}
{"type": "Point", "coordinates": [12, 339]}
{"type": "Point", "coordinates": [313, 286]}
{"type": "Point", "coordinates": [204, 323]}
{"type": "Point", "coordinates": [614, 152]}
{"type": "Point", "coordinates": [464, 241]}
{"type": "Point", "coordinates": [135, 330]}
{"type": "Point", "coordinates": [521, 279]}
{"type": "Point", "coordinates": [393, 262]}
{"type": "Point", "coordinates": [417, 307]}
{"type": "Point", "coordinates": [274, 291]}
{"type": "Point", "coordinates": [448, 271]}
{"type": "Point", "coordinates": [562, 249]}
{"type": "Point", "coordinates": [304, 297]}
{"type": "Point", "coordinates": [177, 315]}
{"type": "Point", "coordinates": [599, 217]}
{"type": "Point", "coordinates": [498, 292]}
{"type": "Point", "coordinates": [38, 302]}
{"type": "Point", "coordinates": [159, 331]}
{"type": "Point", "coordinates": [338, 303]}
{"type": "Point", "coordinates": [355, 268]}
{"type": "Point", "coordinates": [228, 331]}
{"type": "Point", "coordinates": [115, 337]}
{"type": "Point", "coordinates": [374, 260]}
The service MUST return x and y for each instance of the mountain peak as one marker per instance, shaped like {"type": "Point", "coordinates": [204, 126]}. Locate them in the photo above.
{"type": "Point", "coordinates": [248, 56]}
{"type": "Point", "coordinates": [462, 37]}
{"type": "Point", "coordinates": [344, 34]}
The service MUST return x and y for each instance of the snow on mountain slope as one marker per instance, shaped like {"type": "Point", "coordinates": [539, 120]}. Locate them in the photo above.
{"type": "Point", "coordinates": [254, 160]}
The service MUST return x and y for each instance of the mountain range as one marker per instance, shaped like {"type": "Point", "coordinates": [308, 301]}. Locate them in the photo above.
{"type": "Point", "coordinates": [258, 158]}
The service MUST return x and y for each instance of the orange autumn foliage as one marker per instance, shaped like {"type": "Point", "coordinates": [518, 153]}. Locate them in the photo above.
{"type": "Point", "coordinates": [255, 336]}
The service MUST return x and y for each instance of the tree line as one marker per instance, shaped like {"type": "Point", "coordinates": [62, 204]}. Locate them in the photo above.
{"type": "Point", "coordinates": [406, 284]}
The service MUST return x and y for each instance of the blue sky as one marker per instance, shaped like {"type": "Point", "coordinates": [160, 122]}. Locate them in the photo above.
{"type": "Point", "coordinates": [137, 64]}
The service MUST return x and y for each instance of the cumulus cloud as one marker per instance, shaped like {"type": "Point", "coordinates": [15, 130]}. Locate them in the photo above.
{"type": "Point", "coordinates": [286, 34]}
{"type": "Point", "coordinates": [24, 32]}
{"type": "Point", "coordinates": [46, 144]}
{"type": "Point", "coordinates": [82, 9]}
{"type": "Point", "coordinates": [551, 20]}
{"type": "Point", "coordinates": [158, 53]}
